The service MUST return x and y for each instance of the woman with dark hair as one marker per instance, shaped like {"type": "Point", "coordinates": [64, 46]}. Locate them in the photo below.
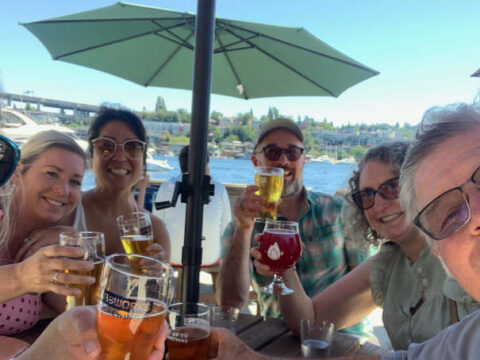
{"type": "Point", "coordinates": [404, 277]}
{"type": "Point", "coordinates": [118, 145]}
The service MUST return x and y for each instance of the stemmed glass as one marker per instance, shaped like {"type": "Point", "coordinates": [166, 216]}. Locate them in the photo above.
{"type": "Point", "coordinates": [280, 248]}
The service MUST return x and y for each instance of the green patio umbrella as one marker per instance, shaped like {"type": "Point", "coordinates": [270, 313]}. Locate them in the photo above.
{"type": "Point", "coordinates": [154, 47]}
{"type": "Point", "coordinates": [157, 47]}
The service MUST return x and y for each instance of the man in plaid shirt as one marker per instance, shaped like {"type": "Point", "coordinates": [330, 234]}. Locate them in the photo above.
{"type": "Point", "coordinates": [327, 256]}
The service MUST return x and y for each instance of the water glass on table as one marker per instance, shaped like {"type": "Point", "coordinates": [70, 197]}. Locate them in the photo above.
{"type": "Point", "coordinates": [270, 183]}
{"type": "Point", "coordinates": [189, 331]}
{"type": "Point", "coordinates": [136, 232]}
{"type": "Point", "coordinates": [93, 244]}
{"type": "Point", "coordinates": [225, 317]}
{"type": "Point", "coordinates": [316, 337]}
{"type": "Point", "coordinates": [132, 306]}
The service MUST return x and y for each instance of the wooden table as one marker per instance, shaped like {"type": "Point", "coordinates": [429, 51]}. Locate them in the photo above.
{"type": "Point", "coordinates": [272, 337]}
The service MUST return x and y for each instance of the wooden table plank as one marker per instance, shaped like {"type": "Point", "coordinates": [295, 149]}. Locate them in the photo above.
{"type": "Point", "coordinates": [263, 333]}
{"type": "Point", "coordinates": [246, 321]}
{"type": "Point", "coordinates": [287, 345]}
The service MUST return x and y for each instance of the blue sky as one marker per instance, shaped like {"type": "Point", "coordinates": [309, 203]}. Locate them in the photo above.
{"type": "Point", "coordinates": [424, 50]}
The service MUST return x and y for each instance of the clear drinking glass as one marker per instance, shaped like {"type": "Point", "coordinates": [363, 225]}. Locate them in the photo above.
{"type": "Point", "coordinates": [189, 331]}
{"type": "Point", "coordinates": [225, 317]}
{"type": "Point", "coordinates": [93, 244]}
{"type": "Point", "coordinates": [280, 247]}
{"type": "Point", "coordinates": [135, 232]}
{"type": "Point", "coordinates": [316, 339]}
{"type": "Point", "coordinates": [270, 183]}
{"type": "Point", "coordinates": [135, 291]}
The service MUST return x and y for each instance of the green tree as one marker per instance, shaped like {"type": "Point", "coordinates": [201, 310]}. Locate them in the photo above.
{"type": "Point", "coordinates": [160, 105]}
{"type": "Point", "coordinates": [216, 115]}
{"type": "Point", "coordinates": [358, 152]}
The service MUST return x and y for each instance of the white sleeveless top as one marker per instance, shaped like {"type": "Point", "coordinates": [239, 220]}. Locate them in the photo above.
{"type": "Point", "coordinates": [79, 222]}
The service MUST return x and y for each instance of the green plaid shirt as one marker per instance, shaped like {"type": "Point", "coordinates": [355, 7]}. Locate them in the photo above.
{"type": "Point", "coordinates": [327, 256]}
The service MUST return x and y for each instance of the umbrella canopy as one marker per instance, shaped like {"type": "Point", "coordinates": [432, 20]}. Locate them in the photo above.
{"type": "Point", "coordinates": [154, 47]}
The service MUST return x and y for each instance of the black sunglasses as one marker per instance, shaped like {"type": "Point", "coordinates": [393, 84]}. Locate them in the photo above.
{"type": "Point", "coordinates": [9, 157]}
{"type": "Point", "coordinates": [273, 152]}
{"type": "Point", "coordinates": [365, 199]}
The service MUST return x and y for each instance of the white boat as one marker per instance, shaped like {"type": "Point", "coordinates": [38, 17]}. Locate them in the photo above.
{"type": "Point", "coordinates": [157, 165]}
{"type": "Point", "coordinates": [19, 127]}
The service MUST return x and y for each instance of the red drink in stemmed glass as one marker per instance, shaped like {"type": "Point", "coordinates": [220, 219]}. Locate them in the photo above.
{"type": "Point", "coordinates": [280, 248]}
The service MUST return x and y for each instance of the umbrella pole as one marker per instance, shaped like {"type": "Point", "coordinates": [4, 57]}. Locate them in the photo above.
{"type": "Point", "coordinates": [202, 78]}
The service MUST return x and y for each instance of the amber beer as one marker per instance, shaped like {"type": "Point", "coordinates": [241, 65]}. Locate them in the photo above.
{"type": "Point", "coordinates": [270, 183]}
{"type": "Point", "coordinates": [89, 293]}
{"type": "Point", "coordinates": [188, 342]}
{"type": "Point", "coordinates": [136, 244]}
{"type": "Point", "coordinates": [127, 328]}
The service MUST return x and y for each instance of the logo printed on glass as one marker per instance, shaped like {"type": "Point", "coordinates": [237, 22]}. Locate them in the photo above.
{"type": "Point", "coordinates": [146, 230]}
{"type": "Point", "coordinates": [274, 252]}
{"type": "Point", "coordinates": [125, 304]}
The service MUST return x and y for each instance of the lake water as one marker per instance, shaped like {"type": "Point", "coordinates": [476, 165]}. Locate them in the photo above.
{"type": "Point", "coordinates": [319, 176]}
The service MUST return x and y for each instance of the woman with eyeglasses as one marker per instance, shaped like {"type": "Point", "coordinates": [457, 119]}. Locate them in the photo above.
{"type": "Point", "coordinates": [404, 277]}
{"type": "Point", "coordinates": [118, 145]}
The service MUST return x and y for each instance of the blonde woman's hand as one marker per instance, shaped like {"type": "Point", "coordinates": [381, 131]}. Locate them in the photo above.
{"type": "Point", "coordinates": [40, 238]}
{"type": "Point", "coordinates": [44, 271]}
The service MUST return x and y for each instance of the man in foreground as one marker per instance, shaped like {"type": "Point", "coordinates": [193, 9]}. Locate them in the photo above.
{"type": "Point", "coordinates": [326, 256]}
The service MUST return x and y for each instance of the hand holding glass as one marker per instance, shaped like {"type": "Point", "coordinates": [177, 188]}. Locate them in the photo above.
{"type": "Point", "coordinates": [132, 305]}
{"type": "Point", "coordinates": [280, 247]}
{"type": "Point", "coordinates": [270, 183]}
{"type": "Point", "coordinates": [93, 244]}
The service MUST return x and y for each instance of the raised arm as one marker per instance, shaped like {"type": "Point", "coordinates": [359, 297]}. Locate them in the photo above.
{"type": "Point", "coordinates": [234, 278]}
{"type": "Point", "coordinates": [161, 239]}
{"type": "Point", "coordinates": [344, 303]}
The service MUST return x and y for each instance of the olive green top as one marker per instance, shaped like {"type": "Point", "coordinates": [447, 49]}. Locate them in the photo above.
{"type": "Point", "coordinates": [398, 284]}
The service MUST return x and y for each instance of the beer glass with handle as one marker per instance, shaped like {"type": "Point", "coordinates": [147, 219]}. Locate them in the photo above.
{"type": "Point", "coordinates": [280, 247]}
{"type": "Point", "coordinates": [135, 232]}
{"type": "Point", "coordinates": [270, 183]}
{"type": "Point", "coordinates": [189, 331]}
{"type": "Point", "coordinates": [132, 305]}
{"type": "Point", "coordinates": [93, 244]}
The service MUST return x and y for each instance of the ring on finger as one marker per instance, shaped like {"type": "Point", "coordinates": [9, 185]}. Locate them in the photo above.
{"type": "Point", "coordinates": [55, 277]}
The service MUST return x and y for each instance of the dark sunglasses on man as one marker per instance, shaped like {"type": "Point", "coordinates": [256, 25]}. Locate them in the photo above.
{"type": "Point", "coordinates": [273, 152]}
{"type": "Point", "coordinates": [365, 199]}
{"type": "Point", "coordinates": [106, 147]}
{"type": "Point", "coordinates": [448, 212]}
{"type": "Point", "coordinates": [9, 157]}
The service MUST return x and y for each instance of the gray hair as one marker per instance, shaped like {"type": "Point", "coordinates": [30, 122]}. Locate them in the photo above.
{"type": "Point", "coordinates": [44, 140]}
{"type": "Point", "coordinates": [438, 125]}
{"type": "Point", "coordinates": [392, 154]}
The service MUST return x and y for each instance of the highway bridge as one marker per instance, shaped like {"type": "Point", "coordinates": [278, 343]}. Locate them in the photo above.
{"type": "Point", "coordinates": [79, 110]}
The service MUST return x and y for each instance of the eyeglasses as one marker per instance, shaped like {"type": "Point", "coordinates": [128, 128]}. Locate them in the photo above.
{"type": "Point", "coordinates": [9, 156]}
{"type": "Point", "coordinates": [273, 152]}
{"type": "Point", "coordinates": [106, 147]}
{"type": "Point", "coordinates": [365, 199]}
{"type": "Point", "coordinates": [447, 213]}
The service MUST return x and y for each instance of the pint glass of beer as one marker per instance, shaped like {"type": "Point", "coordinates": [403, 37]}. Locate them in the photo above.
{"type": "Point", "coordinates": [132, 305]}
{"type": "Point", "coordinates": [270, 183]}
{"type": "Point", "coordinates": [189, 331]}
{"type": "Point", "coordinates": [135, 232]}
{"type": "Point", "coordinates": [93, 244]}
